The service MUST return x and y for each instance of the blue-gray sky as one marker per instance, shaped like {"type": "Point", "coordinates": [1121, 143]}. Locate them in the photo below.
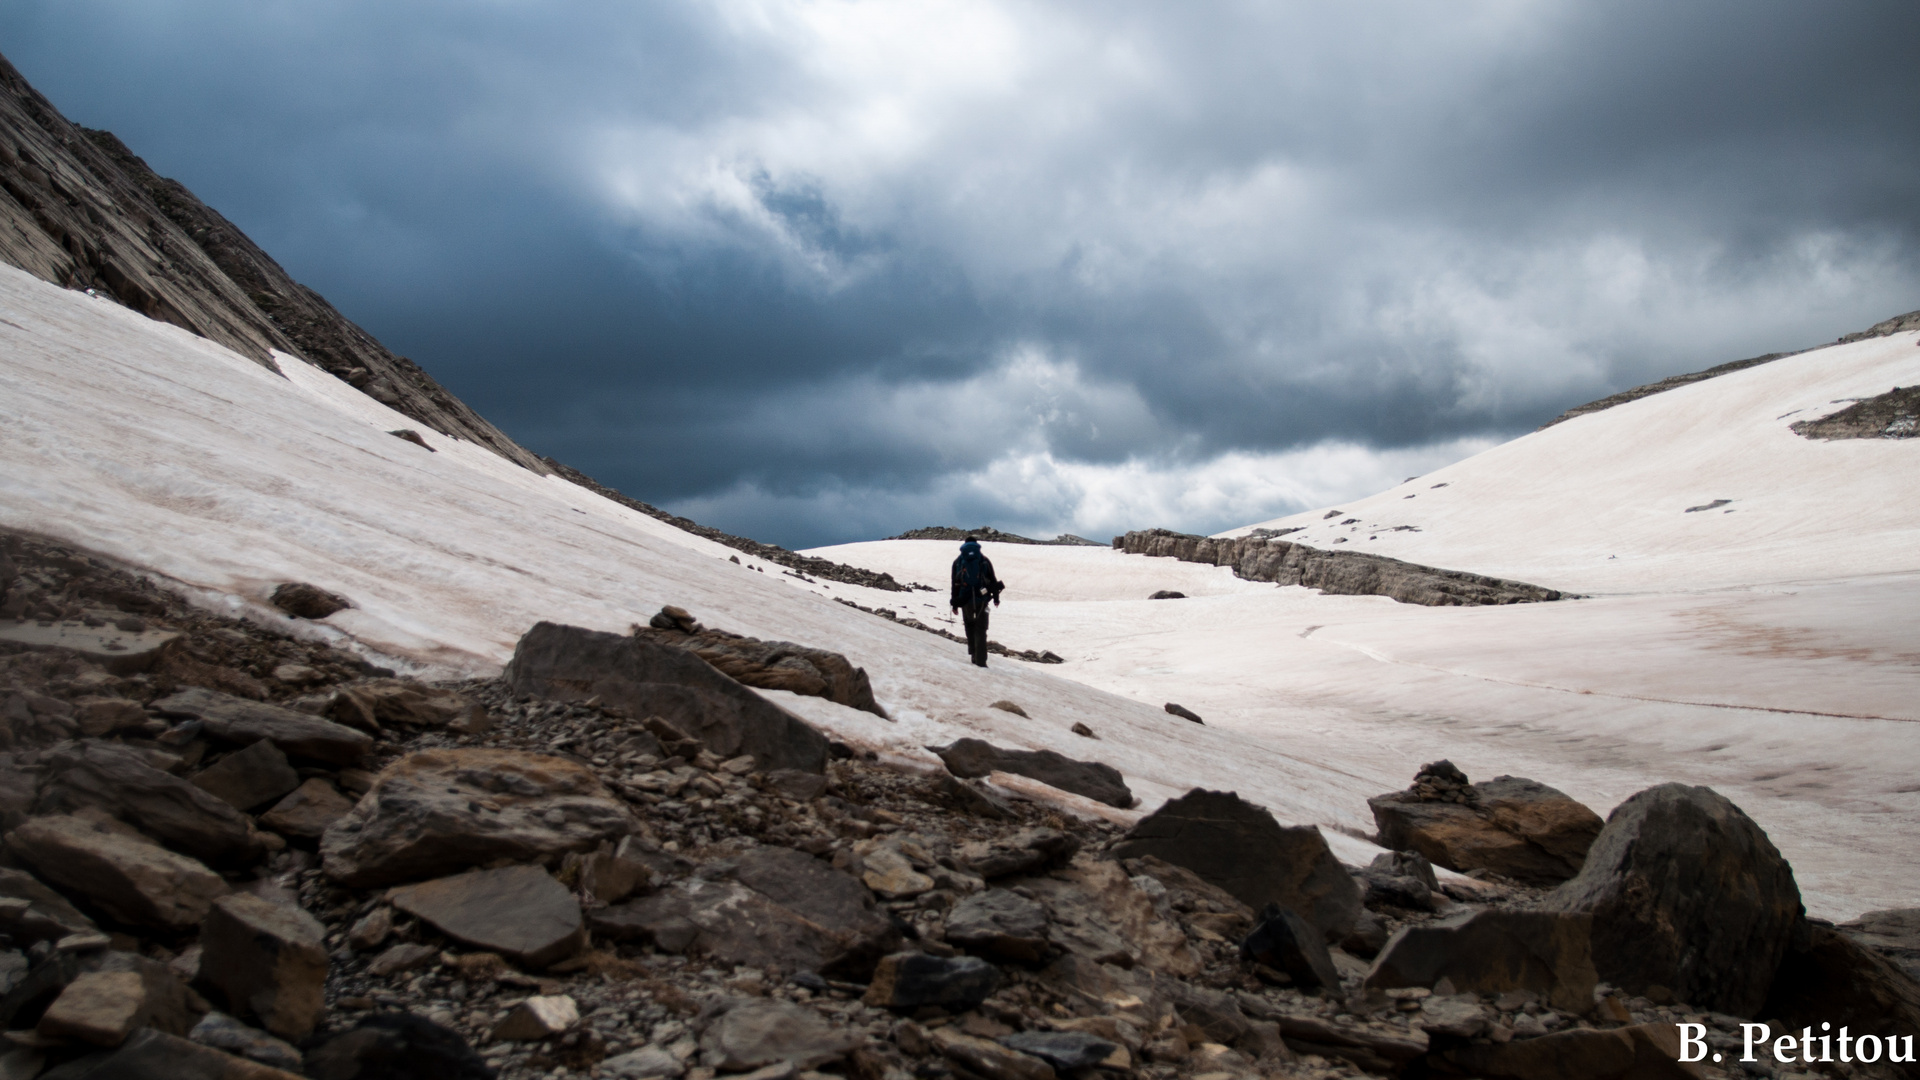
{"type": "Point", "coordinates": [826, 270]}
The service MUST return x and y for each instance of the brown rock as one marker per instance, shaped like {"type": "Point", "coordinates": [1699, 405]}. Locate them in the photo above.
{"type": "Point", "coordinates": [270, 960]}
{"type": "Point", "coordinates": [642, 678]}
{"type": "Point", "coordinates": [237, 720]}
{"type": "Point", "coordinates": [518, 911]}
{"type": "Point", "coordinates": [409, 703]}
{"type": "Point", "coordinates": [36, 913]}
{"type": "Point", "coordinates": [967, 758]}
{"type": "Point", "coordinates": [1001, 925]}
{"type": "Point", "coordinates": [989, 1059]}
{"type": "Point", "coordinates": [618, 870]}
{"type": "Point", "coordinates": [773, 665]}
{"type": "Point", "coordinates": [1687, 893]}
{"type": "Point", "coordinates": [134, 881]}
{"type": "Point", "coordinates": [105, 715]}
{"type": "Point", "coordinates": [439, 811]}
{"type": "Point", "coordinates": [909, 980]}
{"type": "Point", "coordinates": [101, 1008]}
{"type": "Point", "coordinates": [1095, 910]}
{"type": "Point", "coordinates": [1644, 1052]}
{"type": "Point", "coordinates": [17, 791]}
{"type": "Point", "coordinates": [117, 780]}
{"type": "Point", "coordinates": [1893, 933]}
{"type": "Point", "coordinates": [248, 777]}
{"type": "Point", "coordinates": [1514, 827]}
{"type": "Point", "coordinates": [308, 811]}
{"type": "Point", "coordinates": [370, 929]}
{"type": "Point", "coordinates": [155, 1055]}
{"type": "Point", "coordinates": [1836, 979]}
{"type": "Point", "coordinates": [537, 1018]}
{"type": "Point", "coordinates": [400, 958]}
{"type": "Point", "coordinates": [754, 1032]}
{"type": "Point", "coordinates": [1025, 852]}
{"type": "Point", "coordinates": [308, 601]}
{"type": "Point", "coordinates": [1492, 951]}
{"type": "Point", "coordinates": [1240, 848]}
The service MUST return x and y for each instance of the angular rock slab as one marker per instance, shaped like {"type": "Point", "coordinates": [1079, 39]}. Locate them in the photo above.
{"type": "Point", "coordinates": [1000, 924]}
{"type": "Point", "coordinates": [969, 758]}
{"type": "Point", "coordinates": [783, 909]}
{"type": "Point", "coordinates": [45, 916]}
{"type": "Point", "coordinates": [1286, 942]}
{"type": "Point", "coordinates": [439, 811]}
{"type": "Point", "coordinates": [642, 678]}
{"type": "Point", "coordinates": [1239, 847]}
{"type": "Point", "coordinates": [1686, 892]}
{"type": "Point", "coordinates": [309, 810]}
{"type": "Point", "coordinates": [1062, 1049]}
{"type": "Point", "coordinates": [132, 880]}
{"type": "Point", "coordinates": [910, 980]}
{"type": "Point", "coordinates": [1642, 1052]}
{"type": "Point", "coordinates": [1096, 911]}
{"type": "Point", "coordinates": [519, 912]}
{"type": "Point", "coordinates": [1493, 951]}
{"type": "Point", "coordinates": [753, 1033]}
{"type": "Point", "coordinates": [270, 959]}
{"type": "Point", "coordinates": [776, 665]}
{"type": "Point", "coordinates": [985, 1058]}
{"type": "Point", "coordinates": [1836, 979]}
{"type": "Point", "coordinates": [107, 776]}
{"type": "Point", "coordinates": [1518, 828]}
{"type": "Point", "coordinates": [224, 1033]}
{"type": "Point", "coordinates": [248, 777]}
{"type": "Point", "coordinates": [99, 1007]}
{"type": "Point", "coordinates": [237, 720]}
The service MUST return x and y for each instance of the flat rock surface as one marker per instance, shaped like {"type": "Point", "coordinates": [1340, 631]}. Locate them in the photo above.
{"type": "Point", "coordinates": [122, 652]}
{"type": "Point", "coordinates": [133, 880]}
{"type": "Point", "coordinates": [519, 912]}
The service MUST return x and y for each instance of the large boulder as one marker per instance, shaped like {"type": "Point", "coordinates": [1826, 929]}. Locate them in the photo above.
{"type": "Point", "coordinates": [1830, 977]}
{"type": "Point", "coordinates": [1238, 846]}
{"type": "Point", "coordinates": [520, 912]}
{"type": "Point", "coordinates": [237, 720]}
{"type": "Point", "coordinates": [1518, 828]}
{"type": "Point", "coordinates": [968, 758]}
{"type": "Point", "coordinates": [773, 665]}
{"type": "Point", "coordinates": [1893, 933]}
{"type": "Point", "coordinates": [436, 812]}
{"type": "Point", "coordinates": [92, 775]}
{"type": "Point", "coordinates": [643, 679]}
{"type": "Point", "coordinates": [1494, 951]}
{"type": "Point", "coordinates": [131, 879]}
{"type": "Point", "coordinates": [377, 702]}
{"type": "Point", "coordinates": [1686, 893]}
{"type": "Point", "coordinates": [769, 907]}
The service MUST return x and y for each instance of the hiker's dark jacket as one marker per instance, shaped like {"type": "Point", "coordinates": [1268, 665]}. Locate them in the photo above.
{"type": "Point", "coordinates": [974, 585]}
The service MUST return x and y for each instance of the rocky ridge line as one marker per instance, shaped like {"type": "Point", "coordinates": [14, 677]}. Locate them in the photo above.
{"type": "Point", "coordinates": [1263, 558]}
{"type": "Point", "coordinates": [987, 535]}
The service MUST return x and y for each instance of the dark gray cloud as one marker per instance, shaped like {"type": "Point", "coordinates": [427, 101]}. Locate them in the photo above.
{"type": "Point", "coordinates": [823, 271]}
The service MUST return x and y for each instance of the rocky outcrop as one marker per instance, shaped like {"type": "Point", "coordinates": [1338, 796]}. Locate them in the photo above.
{"type": "Point", "coordinates": [238, 720]}
{"type": "Point", "coordinates": [1688, 895]}
{"type": "Point", "coordinates": [987, 535]}
{"type": "Point", "coordinates": [441, 811]}
{"type": "Point", "coordinates": [644, 679]}
{"type": "Point", "coordinates": [1239, 847]}
{"type": "Point", "coordinates": [1892, 415]}
{"type": "Point", "coordinates": [1514, 827]}
{"type": "Point", "coordinates": [1344, 573]}
{"type": "Point", "coordinates": [1491, 951]}
{"type": "Point", "coordinates": [1893, 933]}
{"type": "Point", "coordinates": [1642, 1052]}
{"type": "Point", "coordinates": [970, 758]}
{"type": "Point", "coordinates": [118, 780]}
{"type": "Point", "coordinates": [773, 665]}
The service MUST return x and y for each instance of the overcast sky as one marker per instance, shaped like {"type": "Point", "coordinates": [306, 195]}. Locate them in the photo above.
{"type": "Point", "coordinates": [825, 271]}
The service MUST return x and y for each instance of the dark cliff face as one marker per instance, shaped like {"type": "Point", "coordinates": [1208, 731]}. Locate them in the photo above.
{"type": "Point", "coordinates": [78, 209]}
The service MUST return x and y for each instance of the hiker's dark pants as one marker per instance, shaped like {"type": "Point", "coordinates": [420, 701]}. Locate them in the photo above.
{"type": "Point", "coordinates": [975, 619]}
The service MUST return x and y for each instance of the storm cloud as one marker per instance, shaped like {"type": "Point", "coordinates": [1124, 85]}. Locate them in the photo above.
{"type": "Point", "coordinates": [822, 271]}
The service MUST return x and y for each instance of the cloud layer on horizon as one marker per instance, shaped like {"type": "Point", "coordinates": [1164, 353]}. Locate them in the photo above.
{"type": "Point", "coordinates": [821, 271]}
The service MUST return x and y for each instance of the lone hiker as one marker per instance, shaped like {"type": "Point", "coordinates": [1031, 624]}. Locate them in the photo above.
{"type": "Point", "coordinates": [974, 585]}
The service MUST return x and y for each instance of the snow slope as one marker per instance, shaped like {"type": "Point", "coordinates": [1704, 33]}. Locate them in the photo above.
{"type": "Point", "coordinates": [146, 444]}
{"type": "Point", "coordinates": [1769, 648]}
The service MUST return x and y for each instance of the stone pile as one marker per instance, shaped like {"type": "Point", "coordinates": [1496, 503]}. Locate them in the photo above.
{"type": "Point", "coordinates": [510, 878]}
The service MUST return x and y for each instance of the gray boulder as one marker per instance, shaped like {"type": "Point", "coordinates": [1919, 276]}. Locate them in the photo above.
{"type": "Point", "coordinates": [237, 720]}
{"type": "Point", "coordinates": [520, 912]}
{"type": "Point", "coordinates": [92, 775]}
{"type": "Point", "coordinates": [1237, 846]}
{"type": "Point", "coordinates": [750, 1034]}
{"type": "Point", "coordinates": [1686, 893]}
{"type": "Point", "coordinates": [1286, 942]}
{"type": "Point", "coordinates": [643, 678]}
{"type": "Point", "coordinates": [968, 758]}
{"type": "Point", "coordinates": [1000, 924]}
{"type": "Point", "coordinates": [1512, 826]}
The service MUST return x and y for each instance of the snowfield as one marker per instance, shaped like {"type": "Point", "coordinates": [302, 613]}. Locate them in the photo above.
{"type": "Point", "coordinates": [1772, 652]}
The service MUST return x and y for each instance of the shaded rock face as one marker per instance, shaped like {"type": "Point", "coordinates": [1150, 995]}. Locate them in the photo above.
{"type": "Point", "coordinates": [237, 720]}
{"type": "Point", "coordinates": [1492, 951]}
{"type": "Point", "coordinates": [133, 880]}
{"type": "Point", "coordinates": [1341, 573]}
{"type": "Point", "coordinates": [118, 780]}
{"type": "Point", "coordinates": [1514, 827]}
{"type": "Point", "coordinates": [911, 980]}
{"type": "Point", "coordinates": [1686, 893]}
{"type": "Point", "coordinates": [270, 959]}
{"type": "Point", "coordinates": [440, 811]}
{"type": "Point", "coordinates": [1239, 847]}
{"type": "Point", "coordinates": [396, 1044]}
{"type": "Point", "coordinates": [969, 758]}
{"type": "Point", "coordinates": [1001, 925]}
{"type": "Point", "coordinates": [774, 665]}
{"type": "Point", "coordinates": [1642, 1052]}
{"type": "Point", "coordinates": [768, 907]}
{"type": "Point", "coordinates": [644, 679]}
{"type": "Point", "coordinates": [1286, 942]}
{"type": "Point", "coordinates": [1894, 934]}
{"type": "Point", "coordinates": [1832, 978]}
{"type": "Point", "coordinates": [1095, 911]}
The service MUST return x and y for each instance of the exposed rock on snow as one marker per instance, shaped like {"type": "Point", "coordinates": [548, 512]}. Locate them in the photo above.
{"type": "Point", "coordinates": [1892, 415]}
{"type": "Point", "coordinates": [1238, 846]}
{"type": "Point", "coordinates": [968, 758]}
{"type": "Point", "coordinates": [641, 678]}
{"type": "Point", "coordinates": [305, 601]}
{"type": "Point", "coordinates": [1514, 827]}
{"type": "Point", "coordinates": [1348, 573]}
{"type": "Point", "coordinates": [1183, 713]}
{"type": "Point", "coordinates": [1689, 895]}
{"type": "Point", "coordinates": [773, 665]}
